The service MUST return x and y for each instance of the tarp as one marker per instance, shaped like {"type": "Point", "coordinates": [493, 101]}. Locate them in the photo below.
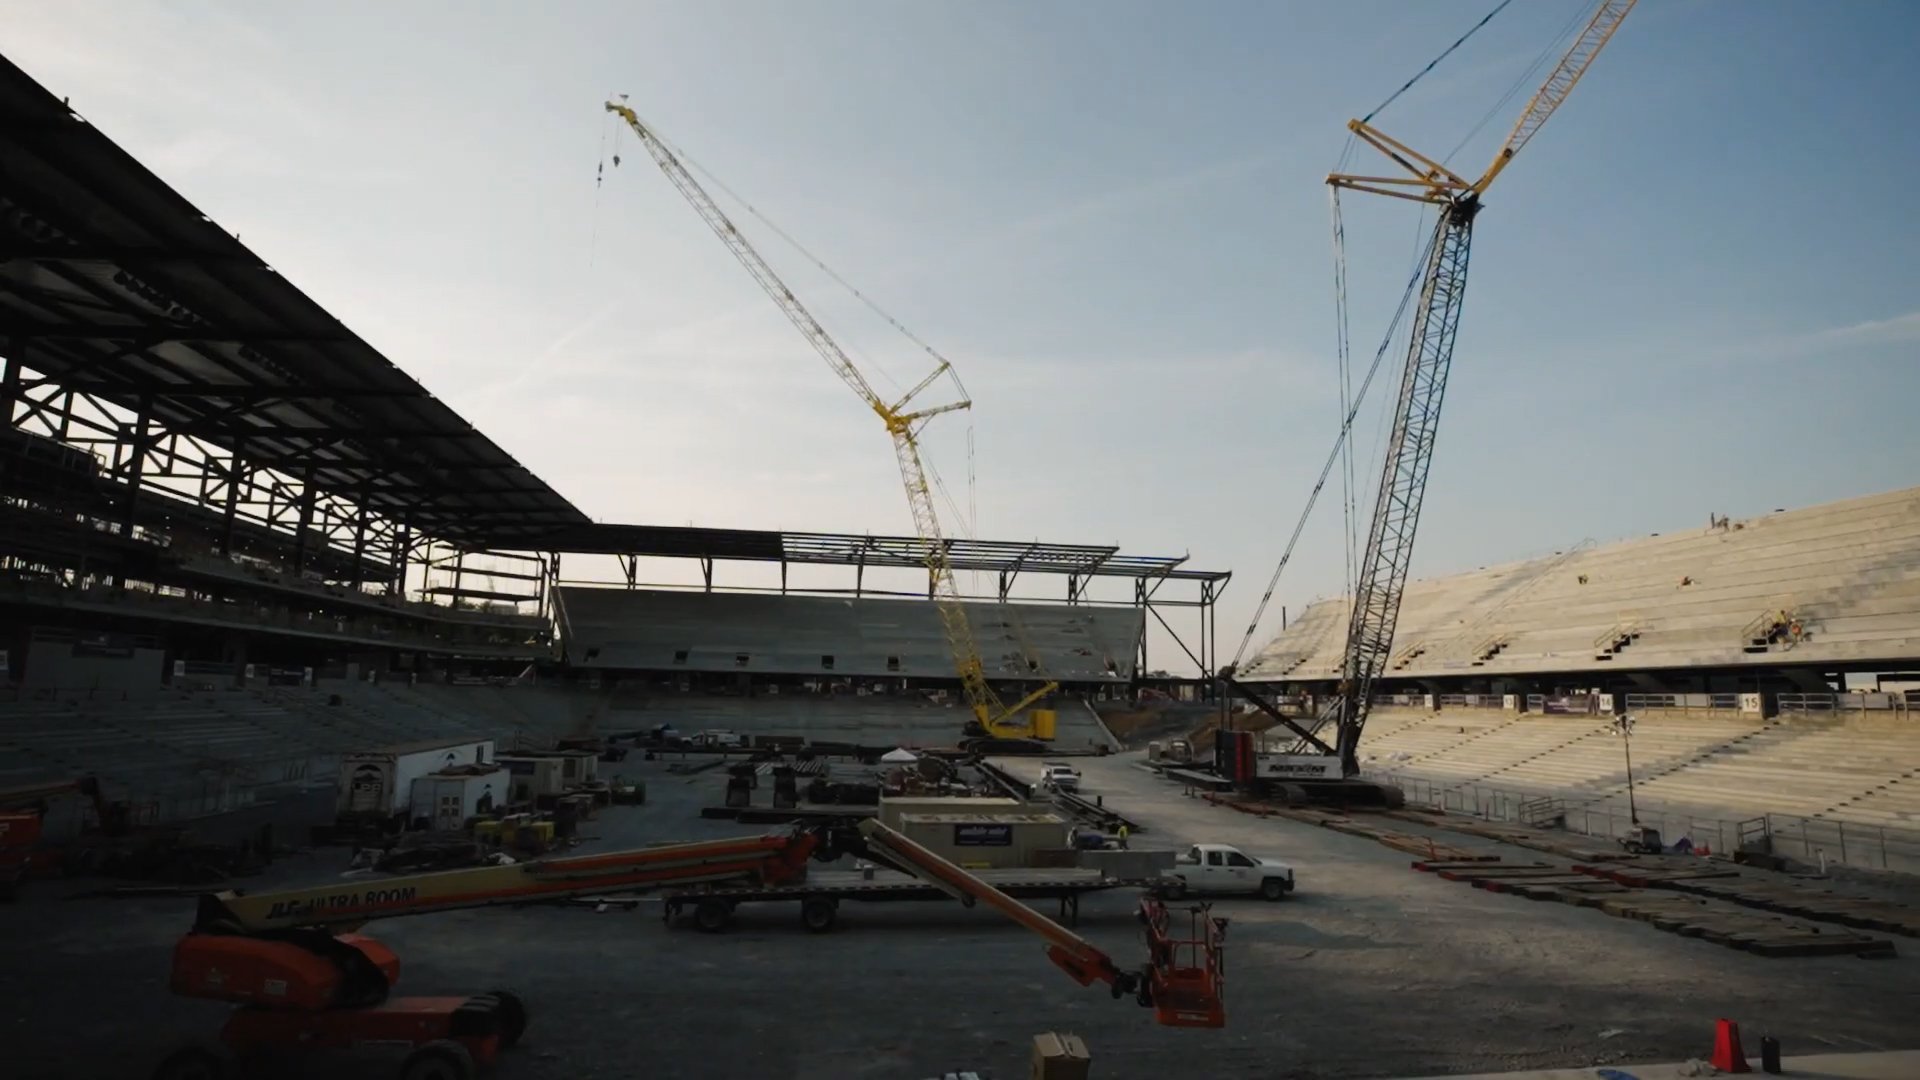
{"type": "Point", "coordinates": [899, 756]}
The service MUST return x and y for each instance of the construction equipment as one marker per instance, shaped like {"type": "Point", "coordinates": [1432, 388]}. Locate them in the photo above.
{"type": "Point", "coordinates": [1409, 453]}
{"type": "Point", "coordinates": [303, 979]}
{"type": "Point", "coordinates": [23, 812]}
{"type": "Point", "coordinates": [992, 719]}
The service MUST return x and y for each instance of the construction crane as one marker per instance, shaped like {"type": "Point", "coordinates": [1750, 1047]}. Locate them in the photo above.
{"type": "Point", "coordinates": [992, 718]}
{"type": "Point", "coordinates": [1416, 417]}
{"type": "Point", "coordinates": [301, 976]}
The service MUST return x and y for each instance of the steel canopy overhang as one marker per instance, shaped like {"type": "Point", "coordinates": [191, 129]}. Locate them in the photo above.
{"type": "Point", "coordinates": [851, 549]}
{"type": "Point", "coordinates": [112, 284]}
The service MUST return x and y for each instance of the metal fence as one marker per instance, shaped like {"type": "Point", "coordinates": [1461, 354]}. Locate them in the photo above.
{"type": "Point", "coordinates": [1810, 840]}
{"type": "Point", "coordinates": [1729, 702]}
{"type": "Point", "coordinates": [1472, 701]}
{"type": "Point", "coordinates": [1901, 703]}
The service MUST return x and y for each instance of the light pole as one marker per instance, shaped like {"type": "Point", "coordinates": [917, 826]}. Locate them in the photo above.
{"type": "Point", "coordinates": [1623, 727]}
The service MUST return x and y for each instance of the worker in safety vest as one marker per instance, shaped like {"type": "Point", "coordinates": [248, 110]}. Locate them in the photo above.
{"type": "Point", "coordinates": [1123, 836]}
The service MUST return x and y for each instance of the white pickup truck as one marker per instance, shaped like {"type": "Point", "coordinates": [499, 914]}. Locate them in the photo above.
{"type": "Point", "coordinates": [1058, 776]}
{"type": "Point", "coordinates": [1218, 868]}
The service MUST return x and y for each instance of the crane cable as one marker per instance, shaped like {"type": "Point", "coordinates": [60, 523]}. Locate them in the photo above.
{"type": "Point", "coordinates": [1345, 365]}
{"type": "Point", "coordinates": [1333, 456]}
{"type": "Point", "coordinates": [1351, 402]}
{"type": "Point", "coordinates": [969, 519]}
{"type": "Point", "coordinates": [1529, 77]}
{"type": "Point", "coordinates": [1444, 53]}
{"type": "Point", "coordinates": [821, 264]}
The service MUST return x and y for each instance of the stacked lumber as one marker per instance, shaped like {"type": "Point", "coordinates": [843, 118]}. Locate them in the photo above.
{"type": "Point", "coordinates": [1627, 896]}
{"type": "Point", "coordinates": [1809, 899]}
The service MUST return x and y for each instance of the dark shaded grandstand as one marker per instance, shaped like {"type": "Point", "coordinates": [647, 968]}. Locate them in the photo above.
{"type": "Point", "coordinates": [236, 541]}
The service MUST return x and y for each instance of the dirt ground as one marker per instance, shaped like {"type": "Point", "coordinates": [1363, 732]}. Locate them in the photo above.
{"type": "Point", "coordinates": [1369, 970]}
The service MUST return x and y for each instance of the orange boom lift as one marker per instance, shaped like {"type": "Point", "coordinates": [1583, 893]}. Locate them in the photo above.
{"type": "Point", "coordinates": [303, 978]}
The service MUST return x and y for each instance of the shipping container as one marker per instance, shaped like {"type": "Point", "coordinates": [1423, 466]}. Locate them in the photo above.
{"type": "Point", "coordinates": [892, 808]}
{"type": "Point", "coordinates": [448, 800]}
{"type": "Point", "coordinates": [991, 841]}
{"type": "Point", "coordinates": [534, 777]}
{"type": "Point", "coordinates": [378, 784]}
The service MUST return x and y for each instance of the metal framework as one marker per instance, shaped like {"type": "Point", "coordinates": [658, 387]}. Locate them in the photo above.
{"type": "Point", "coordinates": [135, 327]}
{"type": "Point", "coordinates": [162, 388]}
{"type": "Point", "coordinates": [167, 395]}
{"type": "Point", "coordinates": [1403, 482]}
{"type": "Point", "coordinates": [1409, 453]}
{"type": "Point", "coordinates": [1007, 560]}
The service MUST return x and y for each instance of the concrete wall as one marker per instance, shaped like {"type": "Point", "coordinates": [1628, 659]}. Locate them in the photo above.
{"type": "Point", "coordinates": [95, 663]}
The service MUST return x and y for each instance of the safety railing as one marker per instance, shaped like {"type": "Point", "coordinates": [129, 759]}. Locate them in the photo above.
{"type": "Point", "coordinates": [1815, 841]}
{"type": "Point", "coordinates": [1902, 703]}
{"type": "Point", "coordinates": [1616, 638]}
{"type": "Point", "coordinates": [1472, 701]}
{"type": "Point", "coordinates": [1562, 704]}
{"type": "Point", "coordinates": [1729, 702]}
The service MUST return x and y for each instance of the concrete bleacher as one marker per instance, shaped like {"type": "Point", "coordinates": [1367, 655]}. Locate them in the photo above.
{"type": "Point", "coordinates": [1862, 769]}
{"type": "Point", "coordinates": [665, 630]}
{"type": "Point", "coordinates": [1847, 572]}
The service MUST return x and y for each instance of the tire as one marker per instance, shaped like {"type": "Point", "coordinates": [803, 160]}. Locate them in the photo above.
{"type": "Point", "coordinates": [712, 916]}
{"type": "Point", "coordinates": [1175, 889]}
{"type": "Point", "coordinates": [441, 1059]}
{"type": "Point", "coordinates": [512, 1017]}
{"type": "Point", "coordinates": [818, 914]}
{"type": "Point", "coordinates": [194, 1063]}
{"type": "Point", "coordinates": [1272, 888]}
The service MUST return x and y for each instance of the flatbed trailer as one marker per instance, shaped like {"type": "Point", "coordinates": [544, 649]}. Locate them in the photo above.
{"type": "Point", "coordinates": [821, 894]}
{"type": "Point", "coordinates": [809, 814]}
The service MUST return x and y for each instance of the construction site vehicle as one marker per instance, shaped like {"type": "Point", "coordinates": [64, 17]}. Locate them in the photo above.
{"type": "Point", "coordinates": [1220, 868]}
{"type": "Point", "coordinates": [1058, 776]}
{"type": "Point", "coordinates": [1171, 752]}
{"type": "Point", "coordinates": [1182, 980]}
{"type": "Point", "coordinates": [23, 813]}
{"type": "Point", "coordinates": [1311, 764]}
{"type": "Point", "coordinates": [302, 977]}
{"type": "Point", "coordinates": [1643, 840]}
{"type": "Point", "coordinates": [1020, 724]}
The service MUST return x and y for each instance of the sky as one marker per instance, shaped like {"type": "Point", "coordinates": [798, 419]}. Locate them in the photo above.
{"type": "Point", "coordinates": [1697, 290]}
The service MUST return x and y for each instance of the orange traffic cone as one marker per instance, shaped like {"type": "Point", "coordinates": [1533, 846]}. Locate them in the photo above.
{"type": "Point", "coordinates": [1727, 1055]}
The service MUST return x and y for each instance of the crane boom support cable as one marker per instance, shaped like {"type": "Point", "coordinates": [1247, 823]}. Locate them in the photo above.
{"type": "Point", "coordinates": [1333, 457]}
{"type": "Point", "coordinates": [818, 262]}
{"type": "Point", "coordinates": [1431, 64]}
{"type": "Point", "coordinates": [902, 426]}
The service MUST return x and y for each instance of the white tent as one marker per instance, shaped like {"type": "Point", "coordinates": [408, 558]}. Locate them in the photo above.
{"type": "Point", "coordinates": [899, 757]}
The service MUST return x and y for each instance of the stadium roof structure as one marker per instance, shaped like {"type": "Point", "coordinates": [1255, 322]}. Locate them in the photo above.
{"type": "Point", "coordinates": [852, 549]}
{"type": "Point", "coordinates": [114, 286]}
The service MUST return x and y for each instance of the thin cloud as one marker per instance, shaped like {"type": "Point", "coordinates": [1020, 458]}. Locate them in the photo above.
{"type": "Point", "coordinates": [1900, 328]}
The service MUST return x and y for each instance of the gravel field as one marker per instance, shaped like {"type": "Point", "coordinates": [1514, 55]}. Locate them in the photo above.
{"type": "Point", "coordinates": [1370, 970]}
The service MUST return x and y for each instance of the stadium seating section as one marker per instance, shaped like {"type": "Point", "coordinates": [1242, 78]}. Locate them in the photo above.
{"type": "Point", "coordinates": [1846, 576]}
{"type": "Point", "coordinates": [659, 630]}
{"type": "Point", "coordinates": [1862, 768]}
